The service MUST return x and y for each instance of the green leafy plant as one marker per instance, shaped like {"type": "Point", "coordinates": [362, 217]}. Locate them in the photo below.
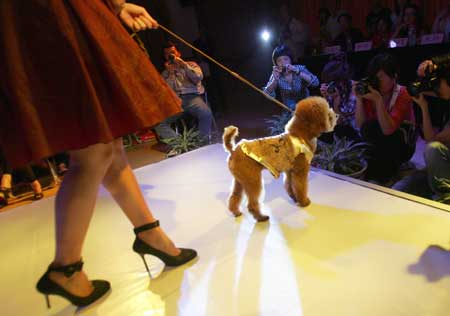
{"type": "Point", "coordinates": [277, 123]}
{"type": "Point", "coordinates": [189, 139]}
{"type": "Point", "coordinates": [342, 156]}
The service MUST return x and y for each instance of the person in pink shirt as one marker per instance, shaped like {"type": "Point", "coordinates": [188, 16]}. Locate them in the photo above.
{"type": "Point", "coordinates": [385, 117]}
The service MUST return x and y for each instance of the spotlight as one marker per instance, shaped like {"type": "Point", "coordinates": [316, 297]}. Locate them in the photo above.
{"type": "Point", "coordinates": [392, 44]}
{"type": "Point", "coordinates": [265, 35]}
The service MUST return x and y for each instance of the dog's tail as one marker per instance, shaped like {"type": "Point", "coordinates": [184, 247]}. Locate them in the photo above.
{"type": "Point", "coordinates": [229, 136]}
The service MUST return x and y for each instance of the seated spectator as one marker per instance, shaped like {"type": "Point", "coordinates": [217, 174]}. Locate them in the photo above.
{"type": "Point", "coordinates": [293, 33]}
{"type": "Point", "coordinates": [337, 89]}
{"type": "Point", "coordinates": [411, 25]}
{"type": "Point", "coordinates": [434, 181]}
{"type": "Point", "coordinates": [396, 15]}
{"type": "Point", "coordinates": [378, 12]}
{"type": "Point", "coordinates": [349, 35]}
{"type": "Point", "coordinates": [384, 116]}
{"type": "Point", "coordinates": [325, 36]}
{"type": "Point", "coordinates": [442, 23]}
{"type": "Point", "coordinates": [291, 81]}
{"type": "Point", "coordinates": [383, 32]}
{"type": "Point", "coordinates": [25, 173]}
{"type": "Point", "coordinates": [185, 78]}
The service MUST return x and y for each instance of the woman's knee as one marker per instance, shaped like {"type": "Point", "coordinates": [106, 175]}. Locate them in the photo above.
{"type": "Point", "coordinates": [94, 157]}
{"type": "Point", "coordinates": [435, 151]}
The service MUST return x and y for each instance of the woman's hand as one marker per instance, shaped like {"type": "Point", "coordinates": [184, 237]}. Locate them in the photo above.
{"type": "Point", "coordinates": [323, 90]}
{"type": "Point", "coordinates": [373, 96]}
{"type": "Point", "coordinates": [424, 67]}
{"type": "Point", "coordinates": [136, 18]}
{"type": "Point", "coordinates": [421, 102]}
{"type": "Point", "coordinates": [276, 72]}
{"type": "Point", "coordinates": [291, 68]}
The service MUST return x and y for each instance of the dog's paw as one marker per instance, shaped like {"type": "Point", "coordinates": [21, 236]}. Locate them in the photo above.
{"type": "Point", "coordinates": [259, 217]}
{"type": "Point", "coordinates": [236, 213]}
{"type": "Point", "coordinates": [262, 218]}
{"type": "Point", "coordinates": [304, 202]}
{"type": "Point", "coordinates": [292, 196]}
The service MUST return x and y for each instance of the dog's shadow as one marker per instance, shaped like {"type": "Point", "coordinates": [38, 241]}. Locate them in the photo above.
{"type": "Point", "coordinates": [434, 263]}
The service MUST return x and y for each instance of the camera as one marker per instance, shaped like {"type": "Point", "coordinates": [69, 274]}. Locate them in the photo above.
{"type": "Point", "coordinates": [362, 87]}
{"type": "Point", "coordinates": [428, 83]}
{"type": "Point", "coordinates": [282, 69]}
{"type": "Point", "coordinates": [332, 87]}
{"type": "Point", "coordinates": [431, 81]}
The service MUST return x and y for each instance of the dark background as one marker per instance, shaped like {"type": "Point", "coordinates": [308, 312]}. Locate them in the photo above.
{"type": "Point", "coordinates": [232, 29]}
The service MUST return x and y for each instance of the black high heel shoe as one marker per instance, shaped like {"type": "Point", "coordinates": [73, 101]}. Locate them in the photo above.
{"type": "Point", "coordinates": [38, 196]}
{"type": "Point", "coordinates": [46, 286]}
{"type": "Point", "coordinates": [142, 248]}
{"type": "Point", "coordinates": [3, 199]}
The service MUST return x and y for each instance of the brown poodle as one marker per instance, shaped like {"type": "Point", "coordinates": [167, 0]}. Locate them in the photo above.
{"type": "Point", "coordinates": [290, 152]}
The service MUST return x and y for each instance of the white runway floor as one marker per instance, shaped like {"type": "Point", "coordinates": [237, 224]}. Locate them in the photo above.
{"type": "Point", "coordinates": [353, 251]}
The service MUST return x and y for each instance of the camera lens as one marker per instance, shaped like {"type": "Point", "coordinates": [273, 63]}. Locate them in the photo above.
{"type": "Point", "coordinates": [362, 88]}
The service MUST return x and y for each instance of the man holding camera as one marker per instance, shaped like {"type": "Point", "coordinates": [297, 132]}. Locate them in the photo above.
{"type": "Point", "coordinates": [185, 78]}
{"type": "Point", "coordinates": [434, 181]}
{"type": "Point", "coordinates": [384, 115]}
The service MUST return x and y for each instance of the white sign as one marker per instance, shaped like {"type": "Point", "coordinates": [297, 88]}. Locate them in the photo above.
{"type": "Point", "coordinates": [332, 49]}
{"type": "Point", "coordinates": [363, 46]}
{"type": "Point", "coordinates": [399, 42]}
{"type": "Point", "coordinates": [436, 38]}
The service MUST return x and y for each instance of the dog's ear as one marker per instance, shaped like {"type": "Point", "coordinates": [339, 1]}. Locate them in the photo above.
{"type": "Point", "coordinates": [313, 113]}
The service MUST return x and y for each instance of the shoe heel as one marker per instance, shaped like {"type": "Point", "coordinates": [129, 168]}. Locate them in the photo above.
{"type": "Point", "coordinates": [47, 300]}
{"type": "Point", "coordinates": [146, 266]}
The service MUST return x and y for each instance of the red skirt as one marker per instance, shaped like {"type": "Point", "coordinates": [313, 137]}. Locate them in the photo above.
{"type": "Point", "coordinates": [71, 76]}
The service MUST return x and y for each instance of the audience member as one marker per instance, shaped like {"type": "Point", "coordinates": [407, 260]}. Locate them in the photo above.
{"type": "Point", "coordinates": [325, 36]}
{"type": "Point", "coordinates": [383, 32]}
{"type": "Point", "coordinates": [442, 23]}
{"type": "Point", "coordinates": [291, 81]}
{"type": "Point", "coordinates": [293, 33]}
{"type": "Point", "coordinates": [349, 35]}
{"type": "Point", "coordinates": [372, 20]}
{"type": "Point", "coordinates": [26, 174]}
{"type": "Point", "coordinates": [337, 89]}
{"type": "Point", "coordinates": [434, 181]}
{"type": "Point", "coordinates": [185, 78]}
{"type": "Point", "coordinates": [384, 115]}
{"type": "Point", "coordinates": [396, 15]}
{"type": "Point", "coordinates": [411, 25]}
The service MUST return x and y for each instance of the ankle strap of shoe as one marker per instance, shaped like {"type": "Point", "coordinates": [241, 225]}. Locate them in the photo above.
{"type": "Point", "coordinates": [68, 270]}
{"type": "Point", "coordinates": [145, 227]}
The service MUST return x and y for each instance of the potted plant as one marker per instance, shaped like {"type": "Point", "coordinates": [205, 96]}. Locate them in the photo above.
{"type": "Point", "coordinates": [277, 123]}
{"type": "Point", "coordinates": [189, 139]}
{"type": "Point", "coordinates": [342, 156]}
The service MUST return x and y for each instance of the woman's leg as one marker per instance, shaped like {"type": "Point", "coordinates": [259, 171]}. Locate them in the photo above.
{"type": "Point", "coordinates": [74, 206]}
{"type": "Point", "coordinates": [437, 159]}
{"type": "Point", "coordinates": [121, 183]}
{"type": "Point", "coordinates": [29, 176]}
{"type": "Point", "coordinates": [384, 154]}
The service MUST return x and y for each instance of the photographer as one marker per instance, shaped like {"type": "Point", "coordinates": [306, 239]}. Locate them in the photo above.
{"type": "Point", "coordinates": [292, 81]}
{"type": "Point", "coordinates": [337, 89]}
{"type": "Point", "coordinates": [185, 78]}
{"type": "Point", "coordinates": [435, 81]}
{"type": "Point", "coordinates": [384, 115]}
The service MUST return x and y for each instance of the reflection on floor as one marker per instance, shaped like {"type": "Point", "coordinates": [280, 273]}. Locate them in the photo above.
{"type": "Point", "coordinates": [353, 251]}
